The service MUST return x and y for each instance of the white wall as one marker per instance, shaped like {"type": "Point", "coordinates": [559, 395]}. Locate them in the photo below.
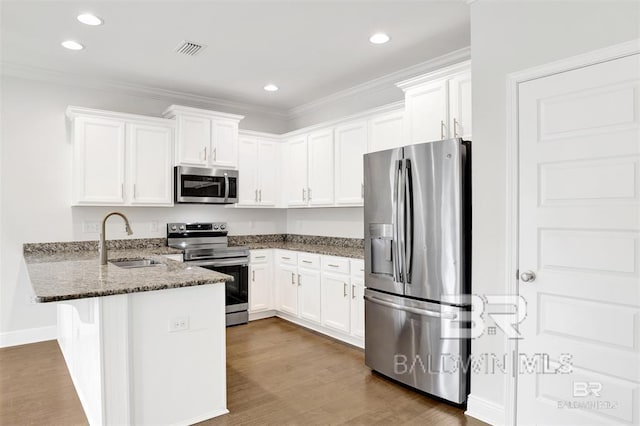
{"type": "Point", "coordinates": [35, 187]}
{"type": "Point", "coordinates": [507, 37]}
{"type": "Point", "coordinates": [346, 222]}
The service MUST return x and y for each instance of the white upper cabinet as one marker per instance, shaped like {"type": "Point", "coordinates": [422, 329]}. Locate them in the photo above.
{"type": "Point", "coordinates": [350, 146]}
{"type": "Point", "coordinates": [121, 159]}
{"type": "Point", "coordinates": [150, 161]}
{"type": "Point", "coordinates": [258, 164]}
{"type": "Point", "coordinates": [460, 105]}
{"type": "Point", "coordinates": [295, 164]}
{"type": "Point", "coordinates": [205, 138]}
{"type": "Point", "coordinates": [320, 191]}
{"type": "Point", "coordinates": [438, 105]}
{"type": "Point", "coordinates": [386, 131]}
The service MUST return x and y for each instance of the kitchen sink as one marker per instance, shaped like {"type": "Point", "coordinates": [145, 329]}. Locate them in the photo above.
{"type": "Point", "coordinates": [135, 263]}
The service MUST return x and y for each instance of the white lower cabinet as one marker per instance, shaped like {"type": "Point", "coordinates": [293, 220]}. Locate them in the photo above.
{"type": "Point", "coordinates": [260, 281]}
{"type": "Point", "coordinates": [286, 282]}
{"type": "Point", "coordinates": [336, 301]}
{"type": "Point", "coordinates": [357, 298]}
{"type": "Point", "coordinates": [309, 294]}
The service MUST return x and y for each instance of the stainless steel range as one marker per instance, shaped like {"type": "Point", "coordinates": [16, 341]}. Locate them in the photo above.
{"type": "Point", "coordinates": [206, 245]}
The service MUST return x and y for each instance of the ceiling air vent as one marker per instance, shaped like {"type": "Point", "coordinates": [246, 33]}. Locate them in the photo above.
{"type": "Point", "coordinates": [189, 48]}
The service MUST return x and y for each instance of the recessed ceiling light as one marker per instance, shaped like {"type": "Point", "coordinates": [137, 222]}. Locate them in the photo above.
{"type": "Point", "coordinates": [379, 38]}
{"type": "Point", "coordinates": [89, 19]}
{"type": "Point", "coordinates": [271, 88]}
{"type": "Point", "coordinates": [72, 45]}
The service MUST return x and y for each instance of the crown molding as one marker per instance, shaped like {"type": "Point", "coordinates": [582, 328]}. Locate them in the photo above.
{"type": "Point", "coordinates": [384, 82]}
{"type": "Point", "coordinates": [42, 74]}
{"type": "Point", "coordinates": [445, 72]}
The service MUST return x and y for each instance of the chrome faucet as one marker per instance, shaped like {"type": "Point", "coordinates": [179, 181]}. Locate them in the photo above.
{"type": "Point", "coordinates": [102, 248]}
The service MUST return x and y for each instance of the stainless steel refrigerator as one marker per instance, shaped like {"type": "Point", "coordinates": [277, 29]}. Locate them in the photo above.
{"type": "Point", "coordinates": [417, 215]}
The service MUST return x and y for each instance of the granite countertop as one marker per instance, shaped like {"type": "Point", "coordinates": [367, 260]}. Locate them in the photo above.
{"type": "Point", "coordinates": [68, 273]}
{"type": "Point", "coordinates": [329, 250]}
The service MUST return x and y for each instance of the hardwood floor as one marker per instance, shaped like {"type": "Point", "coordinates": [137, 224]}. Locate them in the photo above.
{"type": "Point", "coordinates": [277, 373]}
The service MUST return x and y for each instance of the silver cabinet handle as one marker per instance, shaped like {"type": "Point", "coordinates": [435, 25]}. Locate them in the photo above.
{"type": "Point", "coordinates": [205, 153]}
{"type": "Point", "coordinates": [260, 257]}
{"type": "Point", "coordinates": [309, 193]}
{"type": "Point", "coordinates": [528, 276]}
{"type": "Point", "coordinates": [353, 291]}
{"type": "Point", "coordinates": [332, 265]}
{"type": "Point", "coordinates": [362, 190]}
{"type": "Point", "coordinates": [122, 190]}
{"type": "Point", "coordinates": [215, 154]}
{"type": "Point", "coordinates": [442, 129]}
{"type": "Point", "coordinates": [134, 190]}
{"type": "Point", "coordinates": [286, 258]}
{"type": "Point", "coordinates": [304, 194]}
{"type": "Point", "coordinates": [423, 312]}
{"type": "Point", "coordinates": [293, 278]}
{"type": "Point", "coordinates": [253, 276]}
{"type": "Point", "coordinates": [260, 195]}
{"type": "Point", "coordinates": [344, 289]}
{"type": "Point", "coordinates": [299, 280]}
{"type": "Point", "coordinates": [307, 261]}
{"type": "Point", "coordinates": [256, 197]}
{"type": "Point", "coordinates": [455, 128]}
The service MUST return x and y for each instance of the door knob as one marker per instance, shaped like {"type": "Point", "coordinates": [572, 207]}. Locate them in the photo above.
{"type": "Point", "coordinates": [528, 276]}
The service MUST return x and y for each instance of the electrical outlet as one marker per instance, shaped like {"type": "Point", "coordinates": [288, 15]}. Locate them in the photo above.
{"type": "Point", "coordinates": [178, 324]}
{"type": "Point", "coordinates": [90, 227]}
{"type": "Point", "coordinates": [154, 226]}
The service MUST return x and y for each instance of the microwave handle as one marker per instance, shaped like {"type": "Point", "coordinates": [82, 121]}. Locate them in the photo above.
{"type": "Point", "coordinates": [226, 187]}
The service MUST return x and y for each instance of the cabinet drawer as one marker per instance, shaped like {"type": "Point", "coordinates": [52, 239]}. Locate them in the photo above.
{"type": "Point", "coordinates": [357, 268]}
{"type": "Point", "coordinates": [339, 265]}
{"type": "Point", "coordinates": [308, 260]}
{"type": "Point", "coordinates": [259, 256]}
{"type": "Point", "coordinates": [288, 257]}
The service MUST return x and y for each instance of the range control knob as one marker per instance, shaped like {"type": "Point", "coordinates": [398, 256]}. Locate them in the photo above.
{"type": "Point", "coordinates": [215, 227]}
{"type": "Point", "coordinates": [182, 227]}
{"type": "Point", "coordinates": [173, 227]}
{"type": "Point", "coordinates": [223, 226]}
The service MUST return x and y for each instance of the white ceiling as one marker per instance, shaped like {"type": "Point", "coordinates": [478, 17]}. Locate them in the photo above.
{"type": "Point", "coordinates": [310, 49]}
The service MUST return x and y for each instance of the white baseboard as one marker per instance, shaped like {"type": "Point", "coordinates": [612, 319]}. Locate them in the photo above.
{"type": "Point", "coordinates": [203, 417]}
{"type": "Point", "coordinates": [28, 335]}
{"type": "Point", "coordinates": [354, 341]}
{"type": "Point", "coordinates": [487, 411]}
{"type": "Point", "coordinates": [261, 315]}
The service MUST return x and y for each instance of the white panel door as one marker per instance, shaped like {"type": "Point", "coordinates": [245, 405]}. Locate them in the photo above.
{"type": "Point", "coordinates": [460, 106]}
{"type": "Point", "coordinates": [268, 169]}
{"type": "Point", "coordinates": [99, 161]}
{"type": "Point", "coordinates": [336, 301]}
{"type": "Point", "coordinates": [295, 164]}
{"type": "Point", "coordinates": [350, 146]}
{"type": "Point", "coordinates": [193, 140]}
{"type": "Point", "coordinates": [386, 131]}
{"type": "Point", "coordinates": [248, 169]}
{"type": "Point", "coordinates": [579, 145]}
{"type": "Point", "coordinates": [426, 112]}
{"type": "Point", "coordinates": [224, 144]}
{"type": "Point", "coordinates": [321, 160]}
{"type": "Point", "coordinates": [309, 294]}
{"type": "Point", "coordinates": [260, 276]}
{"type": "Point", "coordinates": [150, 160]}
{"type": "Point", "coordinates": [287, 282]}
{"type": "Point", "coordinates": [357, 306]}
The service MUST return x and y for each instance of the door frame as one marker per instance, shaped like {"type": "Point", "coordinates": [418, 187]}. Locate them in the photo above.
{"type": "Point", "coordinates": [512, 222]}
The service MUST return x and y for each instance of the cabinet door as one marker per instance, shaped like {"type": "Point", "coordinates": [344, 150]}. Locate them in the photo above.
{"type": "Point", "coordinates": [224, 144]}
{"type": "Point", "coordinates": [460, 106]}
{"type": "Point", "coordinates": [350, 146]}
{"type": "Point", "coordinates": [193, 140]}
{"type": "Point", "coordinates": [336, 301]}
{"type": "Point", "coordinates": [268, 187]}
{"type": "Point", "coordinates": [99, 167]}
{"type": "Point", "coordinates": [260, 287]}
{"type": "Point", "coordinates": [149, 159]}
{"type": "Point", "coordinates": [357, 306]}
{"type": "Point", "coordinates": [248, 168]}
{"type": "Point", "coordinates": [295, 163]}
{"type": "Point", "coordinates": [288, 289]}
{"type": "Point", "coordinates": [386, 131]}
{"type": "Point", "coordinates": [426, 109]}
{"type": "Point", "coordinates": [321, 160]}
{"type": "Point", "coordinates": [309, 294]}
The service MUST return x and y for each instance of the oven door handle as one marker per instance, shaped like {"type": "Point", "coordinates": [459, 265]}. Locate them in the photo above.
{"type": "Point", "coordinates": [214, 263]}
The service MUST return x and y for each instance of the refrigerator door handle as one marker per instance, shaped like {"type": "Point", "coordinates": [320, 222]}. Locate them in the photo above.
{"type": "Point", "coordinates": [402, 207]}
{"type": "Point", "coordinates": [418, 311]}
{"type": "Point", "coordinates": [397, 276]}
{"type": "Point", "coordinates": [408, 221]}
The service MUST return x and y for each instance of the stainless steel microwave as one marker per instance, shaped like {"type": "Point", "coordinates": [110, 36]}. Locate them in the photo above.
{"type": "Point", "coordinates": [202, 185]}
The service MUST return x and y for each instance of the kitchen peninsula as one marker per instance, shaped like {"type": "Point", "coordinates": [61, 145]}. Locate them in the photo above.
{"type": "Point", "coordinates": [144, 341]}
